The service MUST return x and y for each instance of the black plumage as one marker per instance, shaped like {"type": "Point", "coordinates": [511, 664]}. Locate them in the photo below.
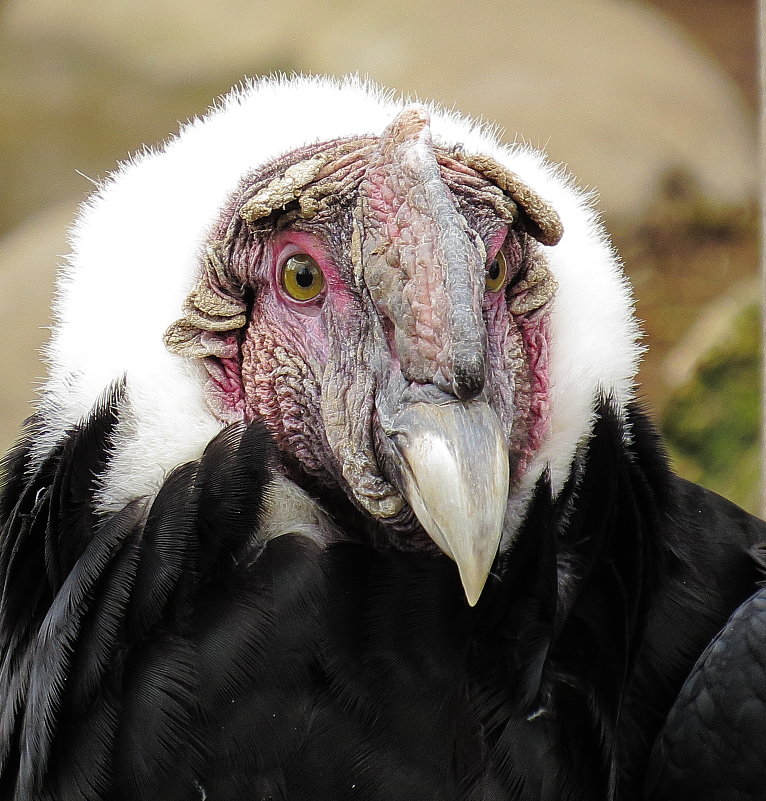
{"type": "Point", "coordinates": [168, 652]}
{"type": "Point", "coordinates": [370, 511]}
{"type": "Point", "coordinates": [712, 744]}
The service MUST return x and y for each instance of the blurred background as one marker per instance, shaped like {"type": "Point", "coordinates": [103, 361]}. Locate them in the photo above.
{"type": "Point", "coordinates": [651, 103]}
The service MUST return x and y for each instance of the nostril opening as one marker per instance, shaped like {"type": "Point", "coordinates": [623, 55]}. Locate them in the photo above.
{"type": "Point", "coordinates": [469, 376]}
{"type": "Point", "coordinates": [468, 389]}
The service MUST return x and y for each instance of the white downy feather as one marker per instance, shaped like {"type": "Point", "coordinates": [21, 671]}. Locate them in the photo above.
{"type": "Point", "coordinates": [135, 254]}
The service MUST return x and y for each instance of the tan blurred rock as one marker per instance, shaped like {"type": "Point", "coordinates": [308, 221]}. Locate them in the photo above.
{"type": "Point", "coordinates": [28, 259]}
{"type": "Point", "coordinates": [612, 88]}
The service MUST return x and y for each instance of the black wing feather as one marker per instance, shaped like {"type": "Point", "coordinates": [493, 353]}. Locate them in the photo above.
{"type": "Point", "coordinates": [167, 651]}
{"type": "Point", "coordinates": [97, 612]}
{"type": "Point", "coordinates": [712, 745]}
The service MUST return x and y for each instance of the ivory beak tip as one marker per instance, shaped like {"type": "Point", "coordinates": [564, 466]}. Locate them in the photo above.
{"type": "Point", "coordinates": [455, 476]}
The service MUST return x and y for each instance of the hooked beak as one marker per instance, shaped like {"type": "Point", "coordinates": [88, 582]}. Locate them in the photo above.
{"type": "Point", "coordinates": [453, 464]}
{"type": "Point", "coordinates": [424, 269]}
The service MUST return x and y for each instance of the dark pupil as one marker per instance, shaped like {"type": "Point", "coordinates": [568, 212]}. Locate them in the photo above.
{"type": "Point", "coordinates": [494, 270]}
{"type": "Point", "coordinates": [304, 277]}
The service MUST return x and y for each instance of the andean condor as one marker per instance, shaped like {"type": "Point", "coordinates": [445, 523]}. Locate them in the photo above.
{"type": "Point", "coordinates": [337, 487]}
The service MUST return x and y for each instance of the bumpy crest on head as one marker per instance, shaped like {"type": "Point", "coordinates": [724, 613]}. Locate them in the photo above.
{"type": "Point", "coordinates": [148, 283]}
{"type": "Point", "coordinates": [215, 306]}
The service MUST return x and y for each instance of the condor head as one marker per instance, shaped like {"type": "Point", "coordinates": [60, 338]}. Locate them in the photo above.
{"type": "Point", "coordinates": [392, 293]}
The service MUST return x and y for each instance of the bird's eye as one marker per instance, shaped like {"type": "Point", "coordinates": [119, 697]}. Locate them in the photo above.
{"type": "Point", "coordinates": [497, 272]}
{"type": "Point", "coordinates": [302, 277]}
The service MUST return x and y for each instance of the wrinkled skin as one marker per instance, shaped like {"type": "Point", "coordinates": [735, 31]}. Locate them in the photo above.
{"type": "Point", "coordinates": [404, 234]}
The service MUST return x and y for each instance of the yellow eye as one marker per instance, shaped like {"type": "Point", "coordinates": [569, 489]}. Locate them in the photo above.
{"type": "Point", "coordinates": [496, 273]}
{"type": "Point", "coordinates": [302, 277]}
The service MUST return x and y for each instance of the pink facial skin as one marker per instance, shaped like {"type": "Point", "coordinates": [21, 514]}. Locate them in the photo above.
{"type": "Point", "coordinates": [535, 333]}
{"type": "Point", "coordinates": [302, 318]}
{"type": "Point", "coordinates": [404, 231]}
{"type": "Point", "coordinates": [518, 356]}
{"type": "Point", "coordinates": [517, 349]}
{"type": "Point", "coordinates": [495, 243]}
{"type": "Point", "coordinates": [288, 243]}
{"type": "Point", "coordinates": [403, 315]}
{"type": "Point", "coordinates": [275, 311]}
{"type": "Point", "coordinates": [225, 381]}
{"type": "Point", "coordinates": [286, 346]}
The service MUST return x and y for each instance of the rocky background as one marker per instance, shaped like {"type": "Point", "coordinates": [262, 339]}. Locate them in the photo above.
{"type": "Point", "coordinates": [652, 104]}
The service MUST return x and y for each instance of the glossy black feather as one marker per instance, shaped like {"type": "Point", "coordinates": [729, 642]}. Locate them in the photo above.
{"type": "Point", "coordinates": [703, 572]}
{"type": "Point", "coordinates": [167, 651]}
{"type": "Point", "coordinates": [712, 745]}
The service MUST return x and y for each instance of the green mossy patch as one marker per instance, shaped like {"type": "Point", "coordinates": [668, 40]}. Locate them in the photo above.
{"type": "Point", "coordinates": [712, 424]}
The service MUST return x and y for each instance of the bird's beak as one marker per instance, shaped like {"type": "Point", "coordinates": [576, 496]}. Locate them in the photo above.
{"type": "Point", "coordinates": [453, 463]}
{"type": "Point", "coordinates": [424, 269]}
